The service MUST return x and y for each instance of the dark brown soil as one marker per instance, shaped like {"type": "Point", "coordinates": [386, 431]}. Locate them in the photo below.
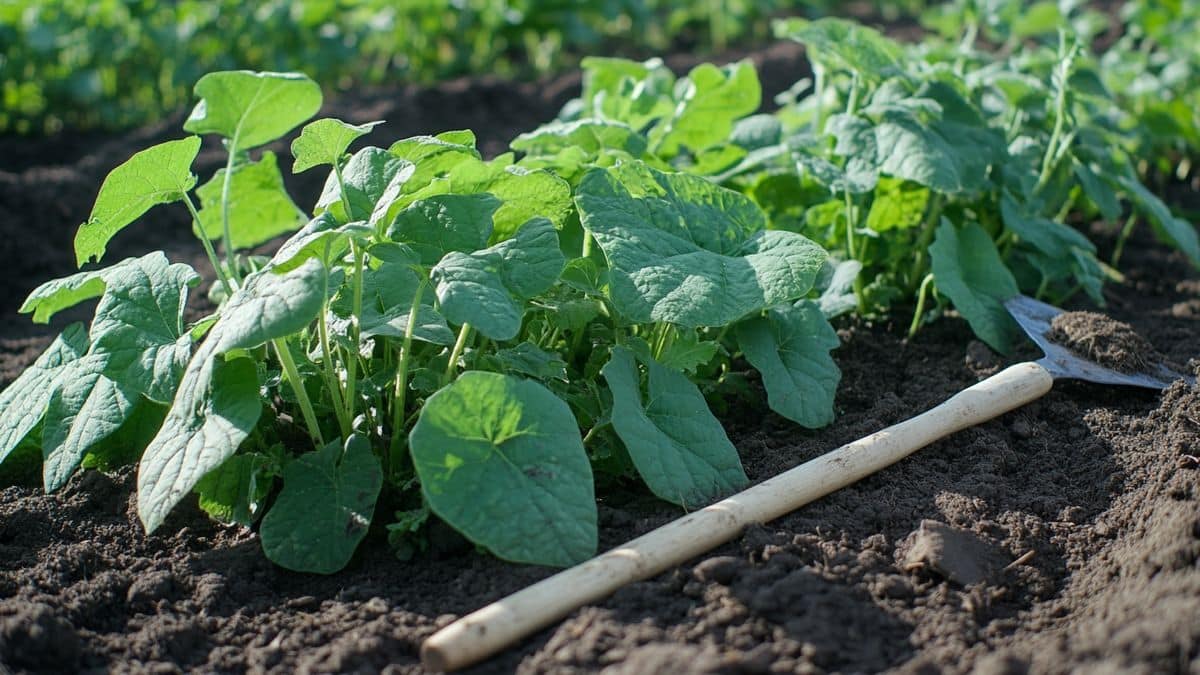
{"type": "Point", "coordinates": [1062, 537]}
{"type": "Point", "coordinates": [1108, 342]}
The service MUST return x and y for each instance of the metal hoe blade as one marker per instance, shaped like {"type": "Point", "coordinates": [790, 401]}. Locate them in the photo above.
{"type": "Point", "coordinates": [1035, 317]}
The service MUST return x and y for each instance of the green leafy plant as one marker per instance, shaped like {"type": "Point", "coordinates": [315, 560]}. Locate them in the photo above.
{"type": "Point", "coordinates": [438, 331]}
{"type": "Point", "coordinates": [929, 171]}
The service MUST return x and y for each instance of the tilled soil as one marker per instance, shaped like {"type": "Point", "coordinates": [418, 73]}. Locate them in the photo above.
{"type": "Point", "coordinates": [1062, 537]}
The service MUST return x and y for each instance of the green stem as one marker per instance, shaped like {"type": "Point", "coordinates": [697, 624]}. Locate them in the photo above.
{"type": "Point", "coordinates": [337, 172]}
{"type": "Point", "coordinates": [331, 378]}
{"type": "Point", "coordinates": [464, 333]}
{"type": "Point", "coordinates": [587, 244]}
{"type": "Point", "coordinates": [850, 222]}
{"type": "Point", "coordinates": [1126, 231]}
{"type": "Point", "coordinates": [355, 332]}
{"type": "Point", "coordinates": [208, 246]}
{"type": "Point", "coordinates": [818, 96]}
{"type": "Point", "coordinates": [293, 376]}
{"type": "Point", "coordinates": [852, 103]}
{"type": "Point", "coordinates": [930, 228]}
{"type": "Point", "coordinates": [400, 388]}
{"type": "Point", "coordinates": [592, 432]}
{"type": "Point", "coordinates": [922, 294]}
{"type": "Point", "coordinates": [227, 238]}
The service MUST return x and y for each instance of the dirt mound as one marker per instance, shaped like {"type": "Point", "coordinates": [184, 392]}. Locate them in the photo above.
{"type": "Point", "coordinates": [1110, 343]}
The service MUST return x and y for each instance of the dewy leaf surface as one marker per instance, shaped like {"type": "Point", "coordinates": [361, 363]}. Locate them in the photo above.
{"type": "Point", "coordinates": [969, 271]}
{"type": "Point", "coordinates": [790, 347]}
{"type": "Point", "coordinates": [252, 108]}
{"type": "Point", "coordinates": [85, 408]}
{"type": "Point", "coordinates": [218, 403]}
{"type": "Point", "coordinates": [689, 252]}
{"type": "Point", "coordinates": [158, 175]}
{"type": "Point", "coordinates": [23, 402]}
{"type": "Point", "coordinates": [325, 142]}
{"type": "Point", "coordinates": [492, 449]}
{"type": "Point", "coordinates": [488, 288]}
{"type": "Point", "coordinates": [678, 447]}
{"type": "Point", "coordinates": [324, 509]}
{"type": "Point", "coordinates": [260, 208]}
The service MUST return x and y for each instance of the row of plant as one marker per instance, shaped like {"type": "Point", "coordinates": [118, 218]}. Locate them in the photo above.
{"type": "Point", "coordinates": [492, 339]}
{"type": "Point", "coordinates": [114, 63]}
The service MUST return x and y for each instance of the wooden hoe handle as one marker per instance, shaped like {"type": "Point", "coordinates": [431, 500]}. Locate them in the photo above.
{"type": "Point", "coordinates": [495, 627]}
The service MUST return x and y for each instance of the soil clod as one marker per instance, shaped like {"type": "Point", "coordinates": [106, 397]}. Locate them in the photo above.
{"type": "Point", "coordinates": [960, 556]}
{"type": "Point", "coordinates": [1110, 343]}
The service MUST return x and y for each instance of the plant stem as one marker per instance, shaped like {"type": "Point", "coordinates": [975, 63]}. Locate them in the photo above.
{"type": "Point", "coordinates": [1127, 230]}
{"type": "Point", "coordinates": [464, 333]}
{"type": "Point", "coordinates": [400, 389]}
{"type": "Point", "coordinates": [337, 172]}
{"type": "Point", "coordinates": [227, 240]}
{"type": "Point", "coordinates": [355, 332]}
{"type": "Point", "coordinates": [819, 97]}
{"type": "Point", "coordinates": [208, 246]}
{"type": "Point", "coordinates": [587, 244]}
{"type": "Point", "coordinates": [293, 376]}
{"type": "Point", "coordinates": [331, 378]}
{"type": "Point", "coordinates": [920, 310]}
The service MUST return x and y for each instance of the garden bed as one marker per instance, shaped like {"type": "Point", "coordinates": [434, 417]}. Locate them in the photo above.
{"type": "Point", "coordinates": [1094, 490]}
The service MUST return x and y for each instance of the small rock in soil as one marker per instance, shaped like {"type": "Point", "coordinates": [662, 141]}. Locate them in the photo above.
{"type": "Point", "coordinates": [958, 555]}
{"type": "Point", "coordinates": [719, 570]}
{"type": "Point", "coordinates": [33, 636]}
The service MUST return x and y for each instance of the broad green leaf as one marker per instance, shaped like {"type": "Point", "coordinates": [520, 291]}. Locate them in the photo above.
{"type": "Point", "coordinates": [790, 347]}
{"type": "Point", "coordinates": [260, 208]}
{"type": "Point", "coordinates": [252, 108]}
{"type": "Point", "coordinates": [856, 142]}
{"type": "Point", "coordinates": [488, 288]}
{"type": "Point", "coordinates": [1176, 231]}
{"type": "Point", "coordinates": [454, 222]}
{"type": "Point", "coordinates": [492, 449]}
{"type": "Point", "coordinates": [1051, 238]}
{"type": "Point", "coordinates": [688, 252]}
{"type": "Point", "coordinates": [215, 409]}
{"type": "Point", "coordinates": [139, 325]}
{"type": "Point", "coordinates": [678, 447]}
{"type": "Point", "coordinates": [325, 142]}
{"type": "Point", "coordinates": [897, 205]}
{"type": "Point", "coordinates": [324, 509]}
{"type": "Point", "coordinates": [589, 135]}
{"type": "Point", "coordinates": [529, 359]}
{"type": "Point", "coordinates": [158, 175]}
{"type": "Point", "coordinates": [524, 194]}
{"type": "Point", "coordinates": [433, 156]}
{"type": "Point", "coordinates": [23, 402]}
{"type": "Point", "coordinates": [366, 177]}
{"type": "Point", "coordinates": [837, 294]}
{"type": "Point", "coordinates": [235, 491]}
{"type": "Point", "coordinates": [271, 305]}
{"type": "Point", "coordinates": [1097, 191]}
{"type": "Point", "coordinates": [845, 45]}
{"type": "Point", "coordinates": [388, 292]}
{"type": "Point", "coordinates": [925, 154]}
{"type": "Point", "coordinates": [711, 100]}
{"type": "Point", "coordinates": [85, 408]}
{"type": "Point", "coordinates": [321, 238]}
{"type": "Point", "coordinates": [969, 271]}
{"type": "Point", "coordinates": [687, 352]}
{"type": "Point", "coordinates": [627, 91]}
{"type": "Point", "coordinates": [218, 402]}
{"type": "Point", "coordinates": [58, 294]}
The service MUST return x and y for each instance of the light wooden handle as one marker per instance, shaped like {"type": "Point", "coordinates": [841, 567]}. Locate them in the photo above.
{"type": "Point", "coordinates": [496, 626]}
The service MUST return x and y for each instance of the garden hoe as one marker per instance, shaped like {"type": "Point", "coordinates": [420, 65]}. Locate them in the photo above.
{"type": "Point", "coordinates": [498, 625]}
